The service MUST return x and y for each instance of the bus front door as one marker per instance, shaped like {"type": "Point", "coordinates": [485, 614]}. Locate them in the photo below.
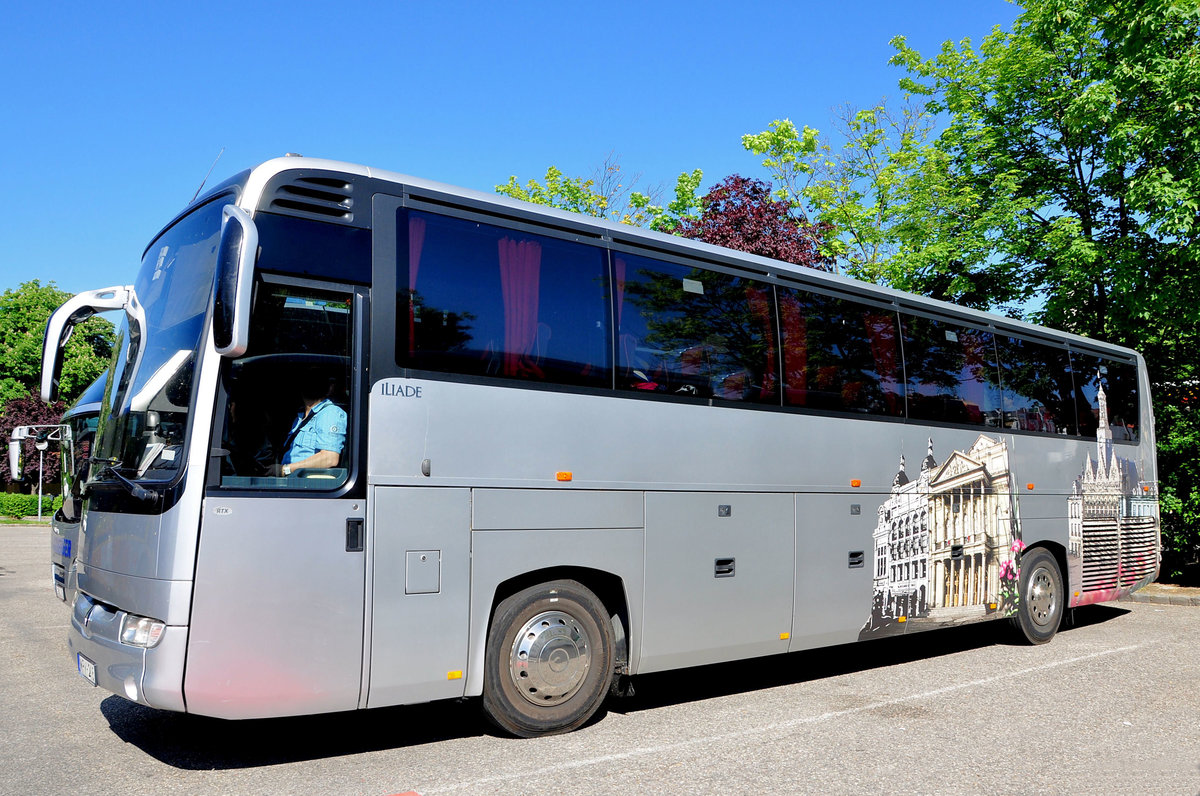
{"type": "Point", "coordinates": [278, 601]}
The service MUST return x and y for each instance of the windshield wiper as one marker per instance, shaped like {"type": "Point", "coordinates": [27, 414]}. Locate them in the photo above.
{"type": "Point", "coordinates": [139, 492]}
{"type": "Point", "coordinates": [136, 490]}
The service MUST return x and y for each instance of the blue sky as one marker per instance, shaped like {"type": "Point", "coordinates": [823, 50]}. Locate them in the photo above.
{"type": "Point", "coordinates": [112, 117]}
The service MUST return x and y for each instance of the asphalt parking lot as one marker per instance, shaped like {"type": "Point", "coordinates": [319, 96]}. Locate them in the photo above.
{"type": "Point", "coordinates": [1112, 705]}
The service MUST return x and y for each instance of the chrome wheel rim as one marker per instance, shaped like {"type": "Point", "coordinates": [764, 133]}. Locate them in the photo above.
{"type": "Point", "coordinates": [550, 658]}
{"type": "Point", "coordinates": [1042, 598]}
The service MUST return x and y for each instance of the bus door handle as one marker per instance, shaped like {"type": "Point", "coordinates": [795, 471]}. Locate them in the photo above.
{"type": "Point", "coordinates": [354, 535]}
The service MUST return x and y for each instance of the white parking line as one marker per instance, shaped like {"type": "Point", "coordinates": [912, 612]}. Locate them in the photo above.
{"type": "Point", "coordinates": [768, 728]}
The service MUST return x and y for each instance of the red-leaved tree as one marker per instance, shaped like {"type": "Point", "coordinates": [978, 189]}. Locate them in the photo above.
{"type": "Point", "coordinates": [30, 411]}
{"type": "Point", "coordinates": [741, 214]}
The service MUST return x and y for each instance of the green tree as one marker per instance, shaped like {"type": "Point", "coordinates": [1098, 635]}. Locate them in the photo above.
{"type": "Point", "coordinates": [685, 207]}
{"type": "Point", "coordinates": [793, 158]}
{"type": "Point", "coordinates": [1067, 177]}
{"type": "Point", "coordinates": [575, 194]}
{"type": "Point", "coordinates": [609, 194]}
{"type": "Point", "coordinates": [24, 311]}
{"type": "Point", "coordinates": [1086, 112]}
{"type": "Point", "coordinates": [850, 190]}
{"type": "Point", "coordinates": [881, 192]}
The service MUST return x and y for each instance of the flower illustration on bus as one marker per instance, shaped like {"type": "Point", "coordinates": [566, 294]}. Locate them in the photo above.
{"type": "Point", "coordinates": [1010, 578]}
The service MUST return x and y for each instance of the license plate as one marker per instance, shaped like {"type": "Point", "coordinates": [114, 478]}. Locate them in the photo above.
{"type": "Point", "coordinates": [87, 669]}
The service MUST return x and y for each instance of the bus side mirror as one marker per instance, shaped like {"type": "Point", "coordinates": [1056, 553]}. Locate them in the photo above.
{"type": "Point", "coordinates": [235, 278]}
{"type": "Point", "coordinates": [15, 463]}
{"type": "Point", "coordinates": [74, 311]}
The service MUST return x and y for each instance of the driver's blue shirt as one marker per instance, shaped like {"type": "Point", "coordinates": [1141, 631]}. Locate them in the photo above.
{"type": "Point", "coordinates": [324, 431]}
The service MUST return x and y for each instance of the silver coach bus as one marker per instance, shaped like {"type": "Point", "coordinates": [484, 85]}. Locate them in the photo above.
{"type": "Point", "coordinates": [73, 436]}
{"type": "Point", "coordinates": [542, 452]}
{"type": "Point", "coordinates": [81, 419]}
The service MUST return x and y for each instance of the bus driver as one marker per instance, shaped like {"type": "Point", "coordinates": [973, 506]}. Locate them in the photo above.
{"type": "Point", "coordinates": [319, 432]}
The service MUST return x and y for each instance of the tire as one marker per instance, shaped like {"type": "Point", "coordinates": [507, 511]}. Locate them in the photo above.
{"type": "Point", "coordinates": [549, 659]}
{"type": "Point", "coordinates": [1042, 596]}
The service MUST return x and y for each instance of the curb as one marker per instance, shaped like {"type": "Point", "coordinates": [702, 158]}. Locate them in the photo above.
{"type": "Point", "coordinates": [1164, 594]}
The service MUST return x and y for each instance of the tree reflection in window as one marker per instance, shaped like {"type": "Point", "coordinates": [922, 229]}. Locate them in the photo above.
{"type": "Point", "coordinates": [1119, 380]}
{"type": "Point", "coordinates": [694, 332]}
{"type": "Point", "coordinates": [839, 355]}
{"type": "Point", "coordinates": [440, 330]}
{"type": "Point", "coordinates": [1037, 387]}
{"type": "Point", "coordinates": [951, 373]}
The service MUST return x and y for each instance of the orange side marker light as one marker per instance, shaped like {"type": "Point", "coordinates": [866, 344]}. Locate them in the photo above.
{"type": "Point", "coordinates": [1029, 487]}
{"type": "Point", "coordinates": [855, 482]}
{"type": "Point", "coordinates": [562, 476]}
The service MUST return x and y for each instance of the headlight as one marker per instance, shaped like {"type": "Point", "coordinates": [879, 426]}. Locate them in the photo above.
{"type": "Point", "coordinates": [139, 631]}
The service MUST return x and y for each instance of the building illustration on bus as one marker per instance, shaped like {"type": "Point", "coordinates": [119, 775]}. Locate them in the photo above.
{"type": "Point", "coordinates": [944, 539]}
{"type": "Point", "coordinates": [1113, 510]}
{"type": "Point", "coordinates": [947, 546]}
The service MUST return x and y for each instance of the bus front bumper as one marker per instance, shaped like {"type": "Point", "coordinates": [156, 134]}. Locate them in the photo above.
{"type": "Point", "coordinates": [151, 677]}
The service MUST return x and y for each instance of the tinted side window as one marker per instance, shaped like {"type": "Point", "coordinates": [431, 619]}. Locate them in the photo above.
{"type": "Point", "coordinates": [1119, 382]}
{"type": "Point", "coordinates": [688, 331]}
{"type": "Point", "coordinates": [951, 371]}
{"type": "Point", "coordinates": [484, 300]}
{"type": "Point", "coordinates": [313, 249]}
{"type": "Point", "coordinates": [1037, 387]}
{"type": "Point", "coordinates": [839, 355]}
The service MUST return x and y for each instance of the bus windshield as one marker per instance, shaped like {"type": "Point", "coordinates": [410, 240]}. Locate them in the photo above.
{"type": "Point", "coordinates": [145, 410]}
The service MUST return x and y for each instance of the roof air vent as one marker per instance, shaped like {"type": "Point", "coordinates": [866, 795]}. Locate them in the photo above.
{"type": "Point", "coordinates": [327, 198]}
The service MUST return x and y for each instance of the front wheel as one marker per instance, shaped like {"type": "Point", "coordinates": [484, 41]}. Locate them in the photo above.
{"type": "Point", "coordinates": [549, 659]}
{"type": "Point", "coordinates": [1040, 607]}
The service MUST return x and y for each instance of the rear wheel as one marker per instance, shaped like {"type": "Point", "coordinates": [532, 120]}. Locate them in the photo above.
{"type": "Point", "coordinates": [549, 659]}
{"type": "Point", "coordinates": [1040, 608]}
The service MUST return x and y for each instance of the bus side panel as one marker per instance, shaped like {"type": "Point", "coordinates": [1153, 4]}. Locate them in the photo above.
{"type": "Point", "coordinates": [719, 577]}
{"type": "Point", "coordinates": [555, 509]}
{"type": "Point", "coordinates": [833, 568]}
{"type": "Point", "coordinates": [421, 570]}
{"type": "Point", "coordinates": [500, 555]}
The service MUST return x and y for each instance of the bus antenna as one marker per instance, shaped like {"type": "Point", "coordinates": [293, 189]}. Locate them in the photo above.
{"type": "Point", "coordinates": [206, 176]}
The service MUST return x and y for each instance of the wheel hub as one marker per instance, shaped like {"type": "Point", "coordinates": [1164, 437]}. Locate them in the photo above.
{"type": "Point", "coordinates": [550, 658]}
{"type": "Point", "coordinates": [1043, 602]}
